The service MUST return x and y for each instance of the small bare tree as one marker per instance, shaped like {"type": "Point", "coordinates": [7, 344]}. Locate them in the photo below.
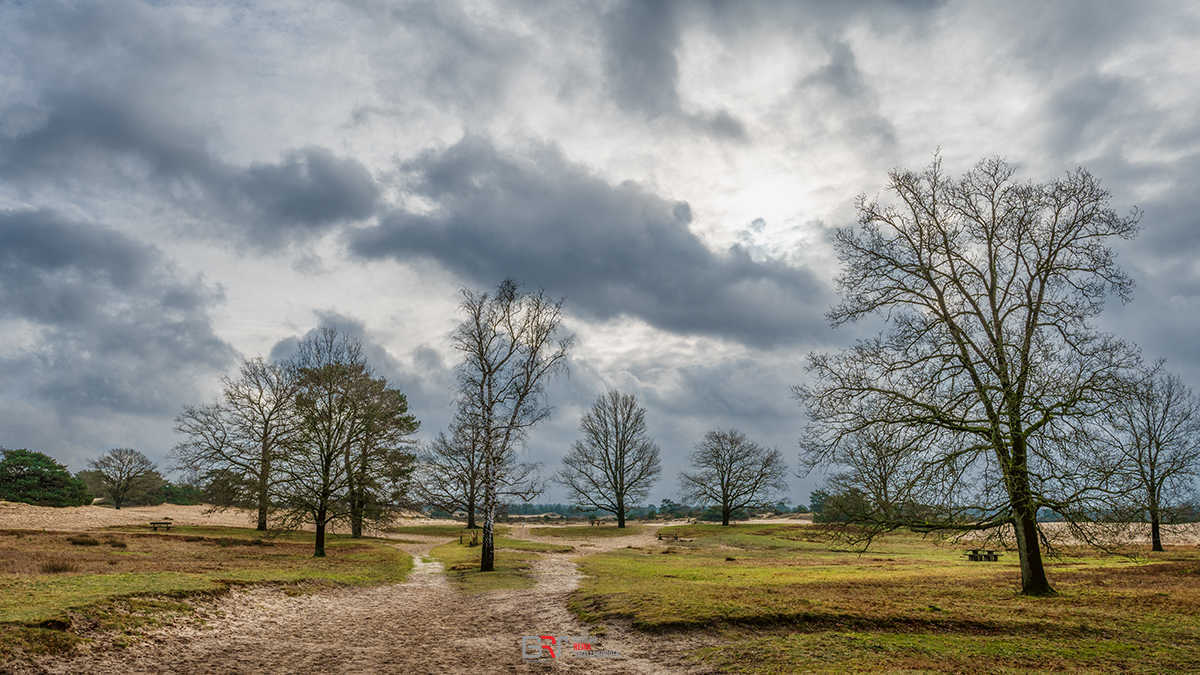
{"type": "Point", "coordinates": [240, 437]}
{"type": "Point", "coordinates": [733, 472]}
{"type": "Point", "coordinates": [120, 471]}
{"type": "Point", "coordinates": [616, 463]}
{"type": "Point", "coordinates": [511, 346]}
{"type": "Point", "coordinates": [450, 474]}
{"type": "Point", "coordinates": [1156, 431]}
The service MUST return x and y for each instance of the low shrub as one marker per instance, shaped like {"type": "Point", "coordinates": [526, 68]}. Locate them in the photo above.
{"type": "Point", "coordinates": [58, 566]}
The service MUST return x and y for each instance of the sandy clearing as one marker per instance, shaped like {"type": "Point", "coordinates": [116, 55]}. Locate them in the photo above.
{"type": "Point", "coordinates": [421, 626]}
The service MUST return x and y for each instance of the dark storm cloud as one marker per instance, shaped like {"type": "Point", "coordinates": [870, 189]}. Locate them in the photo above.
{"type": "Point", "coordinates": [641, 39]}
{"type": "Point", "coordinates": [427, 381]}
{"type": "Point", "coordinates": [101, 105]}
{"type": "Point", "coordinates": [640, 61]}
{"type": "Point", "coordinates": [614, 250]}
{"type": "Point", "coordinates": [844, 103]}
{"type": "Point", "coordinates": [642, 72]}
{"type": "Point", "coordinates": [93, 135]}
{"type": "Point", "coordinates": [118, 328]}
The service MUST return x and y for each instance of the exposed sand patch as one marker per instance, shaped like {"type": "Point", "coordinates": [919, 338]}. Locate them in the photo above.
{"type": "Point", "coordinates": [421, 626]}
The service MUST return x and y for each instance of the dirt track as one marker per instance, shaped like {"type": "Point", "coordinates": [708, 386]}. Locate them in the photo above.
{"type": "Point", "coordinates": [420, 626]}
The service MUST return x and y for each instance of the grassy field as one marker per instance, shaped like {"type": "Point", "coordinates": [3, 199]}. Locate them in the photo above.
{"type": "Point", "coordinates": [447, 531]}
{"type": "Point", "coordinates": [789, 604]}
{"type": "Point", "coordinates": [49, 579]}
{"type": "Point", "coordinates": [587, 531]}
{"type": "Point", "coordinates": [513, 558]}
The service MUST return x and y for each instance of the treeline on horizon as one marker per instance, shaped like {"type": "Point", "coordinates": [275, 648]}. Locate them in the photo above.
{"type": "Point", "coordinates": [34, 478]}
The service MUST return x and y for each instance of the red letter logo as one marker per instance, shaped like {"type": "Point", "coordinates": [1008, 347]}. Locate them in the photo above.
{"type": "Point", "coordinates": [548, 647]}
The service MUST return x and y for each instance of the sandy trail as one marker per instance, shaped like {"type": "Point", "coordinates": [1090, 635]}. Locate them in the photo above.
{"type": "Point", "coordinates": [421, 626]}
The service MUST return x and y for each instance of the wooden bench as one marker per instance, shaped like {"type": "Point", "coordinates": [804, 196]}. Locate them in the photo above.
{"type": "Point", "coordinates": [982, 555]}
{"type": "Point", "coordinates": [164, 524]}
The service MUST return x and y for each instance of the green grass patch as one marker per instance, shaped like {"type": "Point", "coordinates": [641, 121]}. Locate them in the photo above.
{"type": "Point", "coordinates": [447, 531]}
{"type": "Point", "coordinates": [587, 532]}
{"type": "Point", "coordinates": [791, 604]}
{"type": "Point", "coordinates": [875, 652]}
{"type": "Point", "coordinates": [512, 564]}
{"type": "Point", "coordinates": [203, 560]}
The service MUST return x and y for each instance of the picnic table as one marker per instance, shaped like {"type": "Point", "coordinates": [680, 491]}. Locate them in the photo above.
{"type": "Point", "coordinates": [164, 524]}
{"type": "Point", "coordinates": [983, 555]}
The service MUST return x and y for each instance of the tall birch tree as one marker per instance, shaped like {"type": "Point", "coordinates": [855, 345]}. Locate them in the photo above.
{"type": "Point", "coordinates": [511, 345]}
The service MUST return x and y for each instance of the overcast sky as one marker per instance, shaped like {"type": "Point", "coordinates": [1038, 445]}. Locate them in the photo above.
{"type": "Point", "coordinates": [183, 185]}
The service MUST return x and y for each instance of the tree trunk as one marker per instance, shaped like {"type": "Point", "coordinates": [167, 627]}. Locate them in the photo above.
{"type": "Point", "coordinates": [471, 519]}
{"type": "Point", "coordinates": [264, 472]}
{"type": "Point", "coordinates": [1024, 515]}
{"type": "Point", "coordinates": [357, 508]}
{"type": "Point", "coordinates": [620, 513]}
{"type": "Point", "coordinates": [1033, 573]}
{"type": "Point", "coordinates": [725, 517]}
{"type": "Point", "coordinates": [1155, 527]}
{"type": "Point", "coordinates": [487, 554]}
{"type": "Point", "coordinates": [319, 547]}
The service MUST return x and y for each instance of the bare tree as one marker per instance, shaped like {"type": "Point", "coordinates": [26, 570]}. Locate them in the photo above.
{"type": "Point", "coordinates": [120, 471]}
{"type": "Point", "coordinates": [241, 436]}
{"type": "Point", "coordinates": [881, 480]}
{"type": "Point", "coordinates": [1156, 431]}
{"type": "Point", "coordinates": [615, 464]}
{"type": "Point", "coordinates": [450, 473]}
{"type": "Point", "coordinates": [511, 347]}
{"type": "Point", "coordinates": [733, 472]}
{"type": "Point", "coordinates": [987, 285]}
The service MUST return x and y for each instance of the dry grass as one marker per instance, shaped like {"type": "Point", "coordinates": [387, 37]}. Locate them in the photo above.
{"type": "Point", "coordinates": [57, 566]}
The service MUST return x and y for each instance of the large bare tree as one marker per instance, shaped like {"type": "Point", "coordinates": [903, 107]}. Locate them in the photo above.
{"type": "Point", "coordinates": [1156, 431]}
{"type": "Point", "coordinates": [613, 467]}
{"type": "Point", "coordinates": [511, 345]}
{"type": "Point", "coordinates": [987, 285]}
{"type": "Point", "coordinates": [733, 472]}
{"type": "Point", "coordinates": [240, 437]}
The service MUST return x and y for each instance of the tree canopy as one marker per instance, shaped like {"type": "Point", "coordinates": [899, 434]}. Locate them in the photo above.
{"type": "Point", "coordinates": [35, 478]}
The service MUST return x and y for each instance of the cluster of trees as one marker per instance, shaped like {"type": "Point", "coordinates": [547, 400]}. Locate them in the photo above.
{"type": "Point", "coordinates": [33, 478]}
{"type": "Point", "coordinates": [124, 476]}
{"type": "Point", "coordinates": [612, 468]}
{"type": "Point", "coordinates": [512, 345]}
{"type": "Point", "coordinates": [991, 397]}
{"type": "Point", "coordinates": [318, 438]}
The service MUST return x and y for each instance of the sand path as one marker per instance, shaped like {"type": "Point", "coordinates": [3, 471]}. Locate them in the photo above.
{"type": "Point", "coordinates": [421, 626]}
